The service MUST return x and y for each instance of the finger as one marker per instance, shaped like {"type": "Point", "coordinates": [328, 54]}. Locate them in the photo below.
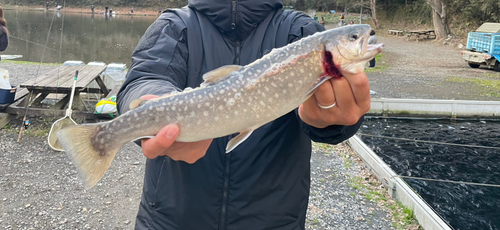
{"type": "Point", "coordinates": [324, 95]}
{"type": "Point", "coordinates": [163, 140]}
{"type": "Point", "coordinates": [360, 87]}
{"type": "Point", "coordinates": [147, 97]}
{"type": "Point", "coordinates": [344, 95]}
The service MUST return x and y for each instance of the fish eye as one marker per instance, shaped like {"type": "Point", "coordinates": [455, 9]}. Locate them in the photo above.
{"type": "Point", "coordinates": [353, 37]}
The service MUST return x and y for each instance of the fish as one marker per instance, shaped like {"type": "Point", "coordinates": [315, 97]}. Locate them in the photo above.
{"type": "Point", "coordinates": [232, 99]}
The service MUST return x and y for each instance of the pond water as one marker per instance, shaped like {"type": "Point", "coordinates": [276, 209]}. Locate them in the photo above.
{"type": "Point", "coordinates": [462, 206]}
{"type": "Point", "coordinates": [85, 37]}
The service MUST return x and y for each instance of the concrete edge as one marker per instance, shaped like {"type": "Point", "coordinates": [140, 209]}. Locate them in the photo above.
{"type": "Point", "coordinates": [430, 107]}
{"type": "Point", "coordinates": [397, 188]}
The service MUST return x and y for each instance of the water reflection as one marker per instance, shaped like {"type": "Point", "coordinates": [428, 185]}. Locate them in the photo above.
{"type": "Point", "coordinates": [85, 37]}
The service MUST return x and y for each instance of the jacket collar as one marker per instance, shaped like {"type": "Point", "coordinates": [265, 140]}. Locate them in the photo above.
{"type": "Point", "coordinates": [235, 19]}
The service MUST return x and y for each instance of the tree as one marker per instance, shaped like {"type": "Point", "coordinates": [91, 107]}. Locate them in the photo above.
{"type": "Point", "coordinates": [373, 7]}
{"type": "Point", "coordinates": [439, 18]}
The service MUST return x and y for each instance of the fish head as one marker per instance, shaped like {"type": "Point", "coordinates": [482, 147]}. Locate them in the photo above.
{"type": "Point", "coordinates": [347, 49]}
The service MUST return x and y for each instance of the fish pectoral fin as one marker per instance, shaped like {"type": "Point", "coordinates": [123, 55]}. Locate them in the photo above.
{"type": "Point", "coordinates": [219, 73]}
{"type": "Point", "coordinates": [135, 103]}
{"type": "Point", "coordinates": [237, 140]}
{"type": "Point", "coordinates": [320, 81]}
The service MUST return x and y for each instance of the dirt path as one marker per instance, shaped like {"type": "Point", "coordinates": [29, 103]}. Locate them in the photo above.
{"type": "Point", "coordinates": [429, 70]}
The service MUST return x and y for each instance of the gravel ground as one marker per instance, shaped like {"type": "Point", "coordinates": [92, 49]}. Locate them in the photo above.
{"type": "Point", "coordinates": [39, 188]}
{"type": "Point", "coordinates": [428, 70]}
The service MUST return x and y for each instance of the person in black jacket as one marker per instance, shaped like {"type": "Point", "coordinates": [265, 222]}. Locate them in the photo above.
{"type": "Point", "coordinates": [264, 182]}
{"type": "Point", "coordinates": [4, 32]}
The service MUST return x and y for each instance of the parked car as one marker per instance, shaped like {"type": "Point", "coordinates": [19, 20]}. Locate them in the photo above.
{"type": "Point", "coordinates": [483, 47]}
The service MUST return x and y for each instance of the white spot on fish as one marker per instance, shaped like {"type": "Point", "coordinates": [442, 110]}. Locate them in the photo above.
{"type": "Point", "coordinates": [221, 92]}
{"type": "Point", "coordinates": [173, 108]}
{"type": "Point", "coordinates": [262, 103]}
{"type": "Point", "coordinates": [205, 113]}
{"type": "Point", "coordinates": [221, 107]}
{"type": "Point", "coordinates": [292, 74]}
{"type": "Point", "coordinates": [185, 108]}
{"type": "Point", "coordinates": [236, 112]}
{"type": "Point", "coordinates": [151, 107]}
{"type": "Point", "coordinates": [237, 96]}
{"type": "Point", "coordinates": [273, 84]}
{"type": "Point", "coordinates": [290, 85]}
{"type": "Point", "coordinates": [199, 106]}
{"type": "Point", "coordinates": [300, 81]}
{"type": "Point", "coordinates": [301, 70]}
{"type": "Point", "coordinates": [135, 115]}
{"type": "Point", "coordinates": [180, 118]}
{"type": "Point", "coordinates": [191, 101]}
{"type": "Point", "coordinates": [245, 110]}
{"type": "Point", "coordinates": [207, 104]}
{"type": "Point", "coordinates": [211, 95]}
{"type": "Point", "coordinates": [276, 95]}
{"type": "Point", "coordinates": [230, 101]}
{"type": "Point", "coordinates": [216, 118]}
{"type": "Point", "coordinates": [200, 97]}
{"type": "Point", "coordinates": [180, 102]}
{"type": "Point", "coordinates": [164, 103]}
{"type": "Point", "coordinates": [284, 91]}
{"type": "Point", "coordinates": [266, 88]}
{"type": "Point", "coordinates": [192, 114]}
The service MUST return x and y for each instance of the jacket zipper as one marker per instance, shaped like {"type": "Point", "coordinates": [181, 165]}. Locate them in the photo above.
{"type": "Point", "coordinates": [225, 189]}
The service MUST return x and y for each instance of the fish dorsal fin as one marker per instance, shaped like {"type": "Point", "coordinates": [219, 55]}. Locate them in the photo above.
{"type": "Point", "coordinates": [237, 140]}
{"type": "Point", "coordinates": [219, 74]}
{"type": "Point", "coordinates": [135, 103]}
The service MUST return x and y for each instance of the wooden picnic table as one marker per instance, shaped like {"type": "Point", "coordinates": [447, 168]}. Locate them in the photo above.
{"type": "Point", "coordinates": [57, 81]}
{"type": "Point", "coordinates": [420, 34]}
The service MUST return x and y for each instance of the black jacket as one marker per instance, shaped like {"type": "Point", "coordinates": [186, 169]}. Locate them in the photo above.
{"type": "Point", "coordinates": [264, 182]}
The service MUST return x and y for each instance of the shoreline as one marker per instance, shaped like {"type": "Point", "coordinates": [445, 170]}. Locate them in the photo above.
{"type": "Point", "coordinates": [138, 11]}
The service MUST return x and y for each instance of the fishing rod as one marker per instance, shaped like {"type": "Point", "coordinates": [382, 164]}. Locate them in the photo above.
{"type": "Point", "coordinates": [26, 123]}
{"type": "Point", "coordinates": [34, 43]}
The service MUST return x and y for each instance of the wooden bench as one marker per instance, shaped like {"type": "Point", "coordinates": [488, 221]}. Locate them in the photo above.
{"type": "Point", "coordinates": [420, 34]}
{"type": "Point", "coordinates": [57, 81]}
{"type": "Point", "coordinates": [395, 32]}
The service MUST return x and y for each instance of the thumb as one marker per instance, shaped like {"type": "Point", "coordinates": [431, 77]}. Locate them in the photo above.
{"type": "Point", "coordinates": [155, 146]}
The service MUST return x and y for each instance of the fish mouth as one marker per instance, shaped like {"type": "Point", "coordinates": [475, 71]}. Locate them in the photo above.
{"type": "Point", "coordinates": [377, 48]}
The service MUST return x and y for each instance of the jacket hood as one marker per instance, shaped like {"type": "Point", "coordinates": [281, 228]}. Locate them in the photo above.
{"type": "Point", "coordinates": [236, 19]}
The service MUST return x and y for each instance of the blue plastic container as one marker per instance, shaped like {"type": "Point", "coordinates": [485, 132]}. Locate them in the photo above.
{"type": "Point", "coordinates": [484, 42]}
{"type": "Point", "coordinates": [7, 95]}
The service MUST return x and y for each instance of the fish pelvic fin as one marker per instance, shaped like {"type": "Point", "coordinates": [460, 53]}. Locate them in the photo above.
{"type": "Point", "coordinates": [90, 161]}
{"type": "Point", "coordinates": [320, 81]}
{"type": "Point", "coordinates": [237, 140]}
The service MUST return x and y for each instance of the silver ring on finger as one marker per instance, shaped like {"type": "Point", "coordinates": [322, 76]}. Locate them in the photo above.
{"type": "Point", "coordinates": [327, 106]}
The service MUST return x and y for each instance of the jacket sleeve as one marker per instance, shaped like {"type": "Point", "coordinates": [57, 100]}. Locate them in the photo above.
{"type": "Point", "coordinates": [159, 63]}
{"type": "Point", "coordinates": [4, 39]}
{"type": "Point", "coordinates": [304, 26]}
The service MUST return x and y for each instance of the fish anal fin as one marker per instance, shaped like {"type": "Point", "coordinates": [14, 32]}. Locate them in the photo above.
{"type": "Point", "coordinates": [237, 140]}
{"type": "Point", "coordinates": [320, 81]}
{"type": "Point", "coordinates": [219, 73]}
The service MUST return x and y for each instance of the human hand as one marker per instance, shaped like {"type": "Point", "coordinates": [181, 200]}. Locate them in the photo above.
{"type": "Point", "coordinates": [164, 144]}
{"type": "Point", "coordinates": [351, 95]}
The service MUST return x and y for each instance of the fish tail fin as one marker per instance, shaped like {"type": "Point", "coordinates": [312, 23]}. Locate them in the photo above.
{"type": "Point", "coordinates": [91, 161]}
